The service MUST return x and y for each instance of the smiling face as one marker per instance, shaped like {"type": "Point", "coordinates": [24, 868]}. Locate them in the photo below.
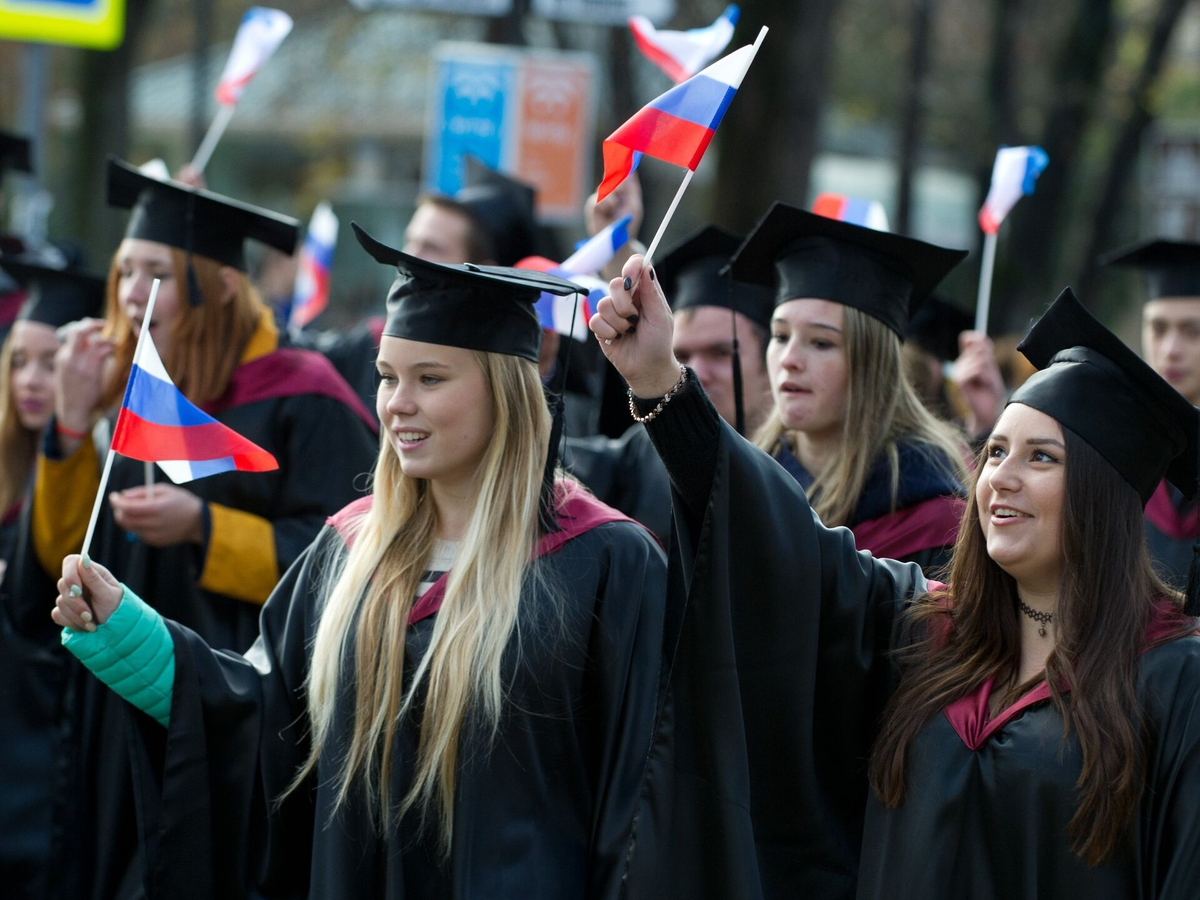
{"type": "Point", "coordinates": [33, 347]}
{"type": "Point", "coordinates": [1171, 342]}
{"type": "Point", "coordinates": [806, 360]}
{"type": "Point", "coordinates": [436, 407]}
{"type": "Point", "coordinates": [1020, 493]}
{"type": "Point", "coordinates": [138, 263]}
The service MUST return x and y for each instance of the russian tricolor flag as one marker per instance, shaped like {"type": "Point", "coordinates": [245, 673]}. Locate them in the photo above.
{"type": "Point", "coordinates": [678, 126]}
{"type": "Point", "coordinates": [681, 54]}
{"type": "Point", "coordinates": [856, 211]}
{"type": "Point", "coordinates": [158, 424]}
{"type": "Point", "coordinates": [311, 295]}
{"type": "Point", "coordinates": [1014, 175]}
{"type": "Point", "coordinates": [260, 34]}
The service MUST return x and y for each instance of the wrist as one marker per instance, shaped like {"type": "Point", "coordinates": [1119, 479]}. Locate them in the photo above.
{"type": "Point", "coordinates": [658, 382]}
{"type": "Point", "coordinates": [66, 431]}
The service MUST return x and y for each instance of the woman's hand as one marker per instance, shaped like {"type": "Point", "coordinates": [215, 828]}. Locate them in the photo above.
{"type": "Point", "coordinates": [87, 595]}
{"type": "Point", "coordinates": [79, 369]}
{"type": "Point", "coordinates": [161, 516]}
{"type": "Point", "coordinates": [977, 376]}
{"type": "Point", "coordinates": [635, 329]}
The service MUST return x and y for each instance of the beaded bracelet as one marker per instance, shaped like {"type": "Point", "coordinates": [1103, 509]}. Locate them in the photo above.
{"type": "Point", "coordinates": [662, 404]}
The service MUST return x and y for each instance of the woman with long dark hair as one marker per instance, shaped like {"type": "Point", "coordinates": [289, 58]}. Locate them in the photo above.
{"type": "Point", "coordinates": [1029, 730]}
{"type": "Point", "coordinates": [455, 687]}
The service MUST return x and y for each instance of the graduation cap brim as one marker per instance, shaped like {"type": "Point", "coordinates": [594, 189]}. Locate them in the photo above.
{"type": "Point", "coordinates": [488, 308]}
{"type": "Point", "coordinates": [56, 296]}
{"type": "Point", "coordinates": [195, 220]}
{"type": "Point", "coordinates": [693, 274]}
{"type": "Point", "coordinates": [1093, 384]}
{"type": "Point", "coordinates": [16, 153]}
{"type": "Point", "coordinates": [803, 254]}
{"type": "Point", "coordinates": [1171, 268]}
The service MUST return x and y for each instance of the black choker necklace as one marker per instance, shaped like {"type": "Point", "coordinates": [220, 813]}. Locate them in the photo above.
{"type": "Point", "coordinates": [1042, 618]}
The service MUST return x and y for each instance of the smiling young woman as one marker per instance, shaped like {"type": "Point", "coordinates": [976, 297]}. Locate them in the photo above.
{"type": "Point", "coordinates": [456, 685]}
{"type": "Point", "coordinates": [1030, 728]}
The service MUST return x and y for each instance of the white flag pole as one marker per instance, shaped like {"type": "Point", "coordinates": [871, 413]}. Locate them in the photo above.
{"type": "Point", "coordinates": [215, 130]}
{"type": "Point", "coordinates": [687, 178]}
{"type": "Point", "coordinates": [149, 470]}
{"type": "Point", "coordinates": [983, 303]}
{"type": "Point", "coordinates": [137, 358]}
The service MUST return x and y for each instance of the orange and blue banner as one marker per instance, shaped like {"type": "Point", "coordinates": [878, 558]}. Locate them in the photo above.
{"type": "Point", "coordinates": [678, 126]}
{"type": "Point", "coordinates": [158, 424]}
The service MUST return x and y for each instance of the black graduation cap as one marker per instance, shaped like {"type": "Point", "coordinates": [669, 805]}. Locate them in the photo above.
{"type": "Point", "coordinates": [15, 153]}
{"type": "Point", "coordinates": [195, 220]}
{"type": "Point", "coordinates": [489, 308]}
{"type": "Point", "coordinates": [935, 327]}
{"type": "Point", "coordinates": [803, 254]}
{"type": "Point", "coordinates": [1172, 268]}
{"type": "Point", "coordinates": [693, 274]}
{"type": "Point", "coordinates": [56, 296]}
{"type": "Point", "coordinates": [1093, 384]}
{"type": "Point", "coordinates": [504, 207]}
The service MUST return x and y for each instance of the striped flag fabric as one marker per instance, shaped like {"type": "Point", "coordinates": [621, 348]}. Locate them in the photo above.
{"type": "Point", "coordinates": [260, 34]}
{"type": "Point", "coordinates": [311, 295]}
{"type": "Point", "coordinates": [598, 251]}
{"type": "Point", "coordinates": [678, 126]}
{"type": "Point", "coordinates": [1014, 175]}
{"type": "Point", "coordinates": [158, 424]}
{"type": "Point", "coordinates": [681, 54]}
{"type": "Point", "coordinates": [856, 211]}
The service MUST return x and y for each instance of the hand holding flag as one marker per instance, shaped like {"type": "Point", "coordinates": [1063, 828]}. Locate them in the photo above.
{"type": "Point", "coordinates": [157, 423]}
{"type": "Point", "coordinates": [261, 32]}
{"type": "Point", "coordinates": [681, 54]}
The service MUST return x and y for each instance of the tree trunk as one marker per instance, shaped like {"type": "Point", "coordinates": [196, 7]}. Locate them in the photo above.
{"type": "Point", "coordinates": [910, 125]}
{"type": "Point", "coordinates": [1125, 150]}
{"type": "Point", "coordinates": [783, 95]}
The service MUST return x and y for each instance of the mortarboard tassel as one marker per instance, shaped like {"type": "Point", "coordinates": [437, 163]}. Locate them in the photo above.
{"type": "Point", "coordinates": [195, 298]}
{"type": "Point", "coordinates": [1191, 604]}
{"type": "Point", "coordinates": [547, 513]}
{"type": "Point", "coordinates": [739, 403]}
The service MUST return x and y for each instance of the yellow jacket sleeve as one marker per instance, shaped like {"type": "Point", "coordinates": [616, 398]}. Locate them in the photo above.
{"type": "Point", "coordinates": [63, 493]}
{"type": "Point", "coordinates": [241, 560]}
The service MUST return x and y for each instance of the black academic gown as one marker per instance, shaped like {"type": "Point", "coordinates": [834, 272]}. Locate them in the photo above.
{"type": "Point", "coordinates": [625, 473]}
{"type": "Point", "coordinates": [1172, 527]}
{"type": "Point", "coordinates": [543, 812]}
{"type": "Point", "coordinates": [352, 352]}
{"type": "Point", "coordinates": [756, 786]}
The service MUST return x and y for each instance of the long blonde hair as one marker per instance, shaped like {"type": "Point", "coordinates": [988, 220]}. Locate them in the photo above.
{"type": "Point", "coordinates": [882, 409]}
{"type": "Point", "coordinates": [207, 339]}
{"type": "Point", "coordinates": [371, 590]}
{"type": "Point", "coordinates": [18, 442]}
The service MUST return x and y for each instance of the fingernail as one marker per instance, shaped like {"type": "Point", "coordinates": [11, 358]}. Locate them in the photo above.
{"type": "Point", "coordinates": [627, 283]}
{"type": "Point", "coordinates": [633, 320]}
{"type": "Point", "coordinates": [87, 561]}
{"type": "Point", "coordinates": [86, 616]}
{"type": "Point", "coordinates": [90, 627]}
{"type": "Point", "coordinates": [652, 273]}
{"type": "Point", "coordinates": [76, 591]}
{"type": "Point", "coordinates": [632, 329]}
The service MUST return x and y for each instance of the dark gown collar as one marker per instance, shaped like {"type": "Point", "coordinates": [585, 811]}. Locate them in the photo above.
{"type": "Point", "coordinates": [922, 477]}
{"type": "Point", "coordinates": [968, 715]}
{"type": "Point", "coordinates": [1175, 517]}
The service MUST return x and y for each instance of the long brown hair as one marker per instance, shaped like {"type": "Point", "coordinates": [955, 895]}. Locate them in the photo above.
{"type": "Point", "coordinates": [18, 442]}
{"type": "Point", "coordinates": [968, 635]}
{"type": "Point", "coordinates": [207, 340]}
{"type": "Point", "coordinates": [882, 409]}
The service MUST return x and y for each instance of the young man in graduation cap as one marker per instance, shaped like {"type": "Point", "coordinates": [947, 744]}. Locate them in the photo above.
{"type": "Point", "coordinates": [1030, 728]}
{"type": "Point", "coordinates": [31, 662]}
{"type": "Point", "coordinates": [721, 329]}
{"type": "Point", "coordinates": [1171, 344]}
{"type": "Point", "coordinates": [461, 674]}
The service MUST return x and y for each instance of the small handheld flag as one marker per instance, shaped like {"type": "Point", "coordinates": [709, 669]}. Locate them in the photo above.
{"type": "Point", "coordinates": [311, 295]}
{"type": "Point", "coordinates": [1014, 175]}
{"type": "Point", "coordinates": [867, 213]}
{"type": "Point", "coordinates": [260, 34]}
{"type": "Point", "coordinates": [681, 54]}
{"type": "Point", "coordinates": [678, 126]}
{"type": "Point", "coordinates": [598, 251]}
